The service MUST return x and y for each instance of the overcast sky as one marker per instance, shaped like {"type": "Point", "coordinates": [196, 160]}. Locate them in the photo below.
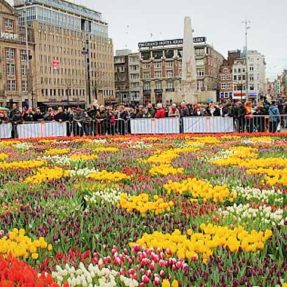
{"type": "Point", "coordinates": [133, 21]}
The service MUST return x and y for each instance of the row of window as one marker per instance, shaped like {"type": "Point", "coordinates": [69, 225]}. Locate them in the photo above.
{"type": "Point", "coordinates": [200, 73]}
{"type": "Point", "coordinates": [49, 59]}
{"type": "Point", "coordinates": [63, 92]}
{"type": "Point", "coordinates": [227, 77]}
{"type": "Point", "coordinates": [63, 82]}
{"type": "Point", "coordinates": [11, 54]}
{"type": "Point", "coordinates": [158, 74]}
{"type": "Point", "coordinates": [71, 92]}
{"type": "Point", "coordinates": [134, 68]}
{"type": "Point", "coordinates": [134, 76]}
{"type": "Point", "coordinates": [226, 86]}
{"type": "Point", "coordinates": [242, 70]}
{"type": "Point", "coordinates": [8, 24]}
{"type": "Point", "coordinates": [242, 78]}
{"type": "Point", "coordinates": [168, 64]}
{"type": "Point", "coordinates": [158, 85]}
{"type": "Point", "coordinates": [12, 85]}
{"type": "Point", "coordinates": [239, 78]}
{"type": "Point", "coordinates": [239, 87]}
{"type": "Point", "coordinates": [160, 54]}
{"type": "Point", "coordinates": [170, 74]}
{"type": "Point", "coordinates": [62, 71]}
{"type": "Point", "coordinates": [11, 70]}
{"type": "Point", "coordinates": [60, 48]}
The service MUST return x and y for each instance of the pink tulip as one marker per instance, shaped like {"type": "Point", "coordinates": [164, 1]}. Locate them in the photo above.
{"type": "Point", "coordinates": [145, 279]}
{"type": "Point", "coordinates": [152, 266]}
{"type": "Point", "coordinates": [162, 263]}
{"type": "Point", "coordinates": [131, 271]}
{"type": "Point", "coordinates": [149, 273]}
{"type": "Point", "coordinates": [156, 281]}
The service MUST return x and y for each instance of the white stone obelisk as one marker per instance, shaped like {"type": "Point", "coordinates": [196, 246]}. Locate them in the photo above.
{"type": "Point", "coordinates": [189, 79]}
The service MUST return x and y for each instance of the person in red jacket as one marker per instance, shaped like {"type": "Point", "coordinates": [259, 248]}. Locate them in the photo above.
{"type": "Point", "coordinates": [160, 112]}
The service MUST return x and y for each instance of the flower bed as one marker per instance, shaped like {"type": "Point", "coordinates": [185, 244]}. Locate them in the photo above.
{"type": "Point", "coordinates": [144, 211]}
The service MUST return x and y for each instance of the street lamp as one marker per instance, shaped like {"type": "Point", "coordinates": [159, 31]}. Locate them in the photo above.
{"type": "Point", "coordinates": [86, 54]}
{"type": "Point", "coordinates": [247, 27]}
{"type": "Point", "coordinates": [28, 76]}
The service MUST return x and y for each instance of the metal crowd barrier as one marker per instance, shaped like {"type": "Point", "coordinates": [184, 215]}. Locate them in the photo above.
{"type": "Point", "coordinates": [144, 126]}
{"type": "Point", "coordinates": [261, 123]}
{"type": "Point", "coordinates": [63, 129]}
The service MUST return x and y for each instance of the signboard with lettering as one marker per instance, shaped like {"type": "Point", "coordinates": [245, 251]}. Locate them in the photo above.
{"type": "Point", "coordinates": [56, 64]}
{"type": "Point", "coordinates": [8, 36]}
{"type": "Point", "coordinates": [169, 42]}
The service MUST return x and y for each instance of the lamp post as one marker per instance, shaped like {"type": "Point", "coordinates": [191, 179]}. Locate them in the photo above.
{"type": "Point", "coordinates": [28, 76]}
{"type": "Point", "coordinates": [86, 53]}
{"type": "Point", "coordinates": [246, 28]}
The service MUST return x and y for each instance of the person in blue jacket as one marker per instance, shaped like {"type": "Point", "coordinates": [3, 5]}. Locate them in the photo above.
{"type": "Point", "coordinates": [274, 117]}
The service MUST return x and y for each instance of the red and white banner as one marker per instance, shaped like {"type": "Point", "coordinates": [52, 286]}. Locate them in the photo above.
{"type": "Point", "coordinates": [56, 64]}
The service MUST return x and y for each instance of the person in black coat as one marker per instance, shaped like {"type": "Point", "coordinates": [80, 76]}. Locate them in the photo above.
{"type": "Point", "coordinates": [61, 116]}
{"type": "Point", "coordinates": [239, 117]}
{"type": "Point", "coordinates": [28, 116]}
{"type": "Point", "coordinates": [38, 116]}
{"type": "Point", "coordinates": [14, 110]}
{"type": "Point", "coordinates": [78, 119]}
{"type": "Point", "coordinates": [16, 120]}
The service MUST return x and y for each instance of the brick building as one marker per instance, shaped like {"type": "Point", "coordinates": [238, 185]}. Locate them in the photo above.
{"type": "Point", "coordinates": [161, 69]}
{"type": "Point", "coordinates": [14, 76]}
{"type": "Point", "coordinates": [226, 75]}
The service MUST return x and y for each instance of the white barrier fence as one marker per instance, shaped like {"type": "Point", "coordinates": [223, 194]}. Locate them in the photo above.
{"type": "Point", "coordinates": [5, 131]}
{"type": "Point", "coordinates": [40, 130]}
{"type": "Point", "coordinates": [208, 125]}
{"type": "Point", "coordinates": [155, 126]}
{"type": "Point", "coordinates": [137, 126]}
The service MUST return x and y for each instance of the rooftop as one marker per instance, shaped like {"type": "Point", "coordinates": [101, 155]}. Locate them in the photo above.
{"type": "Point", "coordinates": [65, 6]}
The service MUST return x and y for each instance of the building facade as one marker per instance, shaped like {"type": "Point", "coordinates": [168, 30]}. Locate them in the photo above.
{"type": "Point", "coordinates": [256, 74]}
{"type": "Point", "coordinates": [239, 79]}
{"type": "Point", "coordinates": [226, 76]}
{"type": "Point", "coordinates": [127, 77]}
{"type": "Point", "coordinates": [226, 81]}
{"type": "Point", "coordinates": [15, 78]}
{"type": "Point", "coordinates": [161, 69]}
{"type": "Point", "coordinates": [73, 53]}
{"type": "Point", "coordinates": [134, 79]}
{"type": "Point", "coordinates": [236, 69]}
{"type": "Point", "coordinates": [121, 62]}
{"type": "Point", "coordinates": [280, 86]}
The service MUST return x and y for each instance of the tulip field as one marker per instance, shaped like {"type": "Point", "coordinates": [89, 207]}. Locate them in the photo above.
{"type": "Point", "coordinates": [144, 211]}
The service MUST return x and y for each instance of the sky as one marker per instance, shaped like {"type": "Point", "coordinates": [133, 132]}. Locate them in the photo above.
{"type": "Point", "coordinates": [132, 21]}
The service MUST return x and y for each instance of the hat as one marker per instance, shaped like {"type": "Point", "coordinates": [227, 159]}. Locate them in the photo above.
{"type": "Point", "coordinates": [159, 105]}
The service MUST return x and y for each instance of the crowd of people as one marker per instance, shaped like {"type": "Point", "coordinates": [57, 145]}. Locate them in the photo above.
{"type": "Point", "coordinates": [99, 119]}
